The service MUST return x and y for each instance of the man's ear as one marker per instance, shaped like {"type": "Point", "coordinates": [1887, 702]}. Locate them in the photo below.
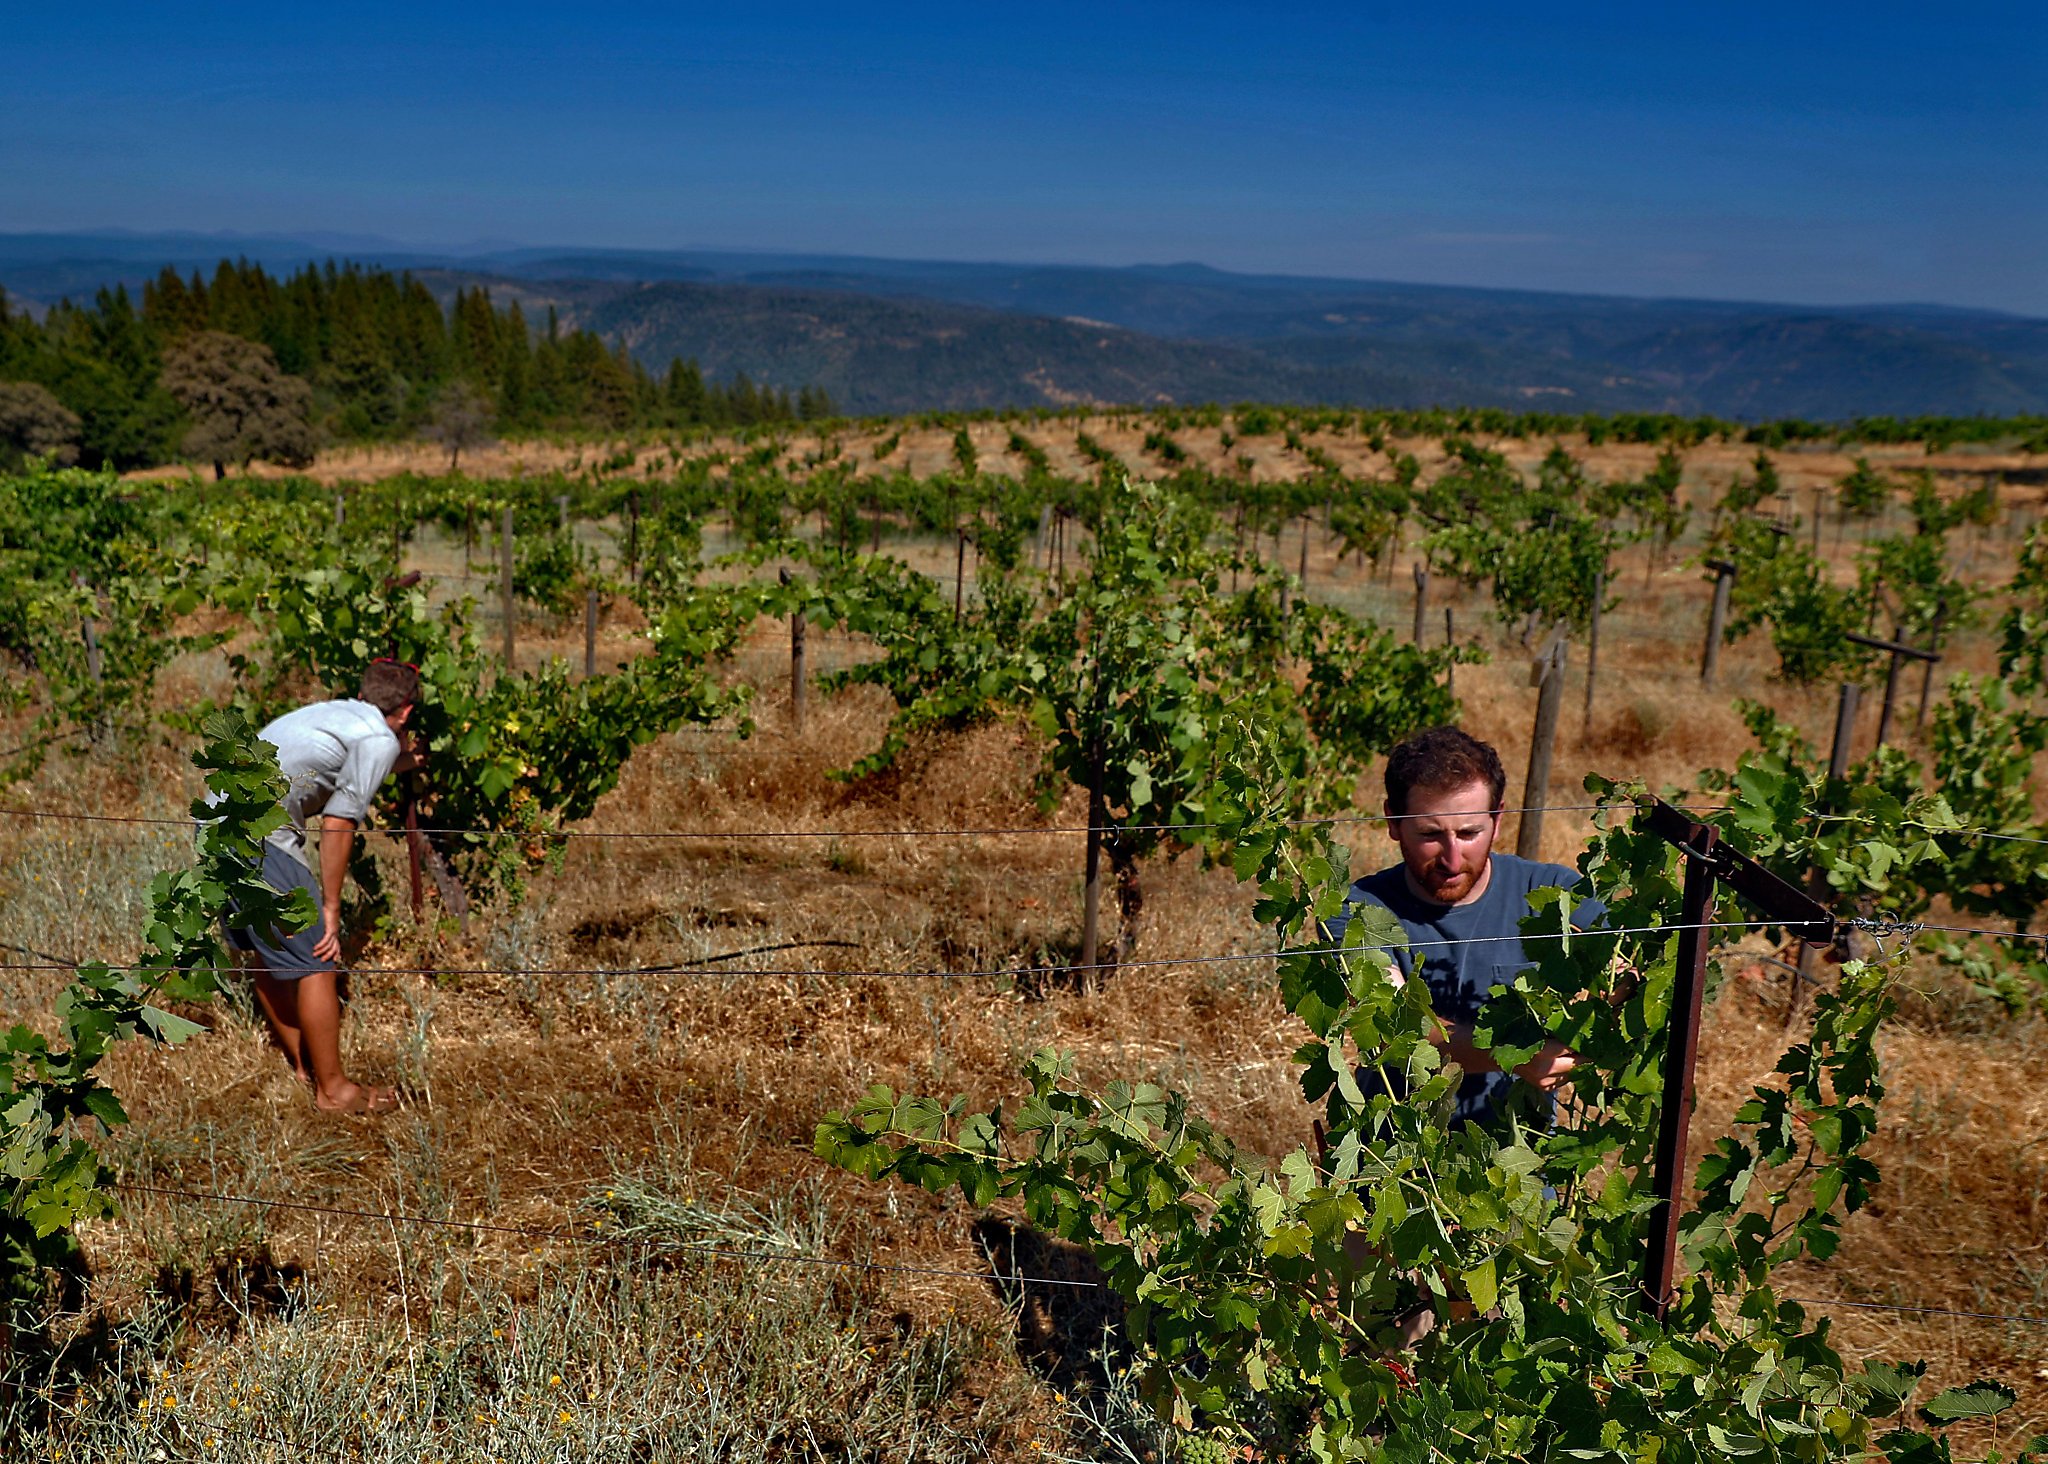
{"type": "Point", "coordinates": [400, 717]}
{"type": "Point", "coordinates": [1393, 821]}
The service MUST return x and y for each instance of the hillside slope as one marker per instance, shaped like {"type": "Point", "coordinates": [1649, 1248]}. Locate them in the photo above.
{"type": "Point", "coordinates": [886, 335]}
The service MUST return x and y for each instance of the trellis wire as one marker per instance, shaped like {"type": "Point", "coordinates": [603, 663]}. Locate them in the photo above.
{"type": "Point", "coordinates": [981, 832]}
{"type": "Point", "coordinates": [989, 831]}
{"type": "Point", "coordinates": [997, 971]}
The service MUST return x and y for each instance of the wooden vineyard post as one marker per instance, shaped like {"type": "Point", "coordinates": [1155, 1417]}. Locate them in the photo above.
{"type": "Point", "coordinates": [1717, 618]}
{"type": "Point", "coordinates": [1900, 653]}
{"type": "Point", "coordinates": [590, 632]}
{"type": "Point", "coordinates": [1819, 501]}
{"type": "Point", "coordinates": [959, 574]}
{"type": "Point", "coordinates": [1845, 729]}
{"type": "Point", "coordinates": [1838, 769]}
{"type": "Point", "coordinates": [340, 512]}
{"type": "Point", "coordinates": [1421, 599]}
{"type": "Point", "coordinates": [633, 535]}
{"type": "Point", "coordinates": [1302, 575]}
{"type": "Point", "coordinates": [1593, 652]}
{"type": "Point", "coordinates": [798, 680]}
{"type": "Point", "coordinates": [1708, 862]}
{"type": "Point", "coordinates": [94, 666]}
{"type": "Point", "coordinates": [415, 856]}
{"type": "Point", "coordinates": [562, 514]}
{"type": "Point", "coordinates": [1927, 667]}
{"type": "Point", "coordinates": [1091, 889]}
{"type": "Point", "coordinates": [1450, 639]}
{"type": "Point", "coordinates": [505, 584]}
{"type": "Point", "coordinates": [1547, 676]}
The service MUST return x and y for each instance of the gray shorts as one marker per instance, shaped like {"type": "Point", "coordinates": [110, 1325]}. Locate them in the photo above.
{"type": "Point", "coordinates": [288, 957]}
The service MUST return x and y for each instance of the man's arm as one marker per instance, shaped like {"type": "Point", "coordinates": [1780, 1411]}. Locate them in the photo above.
{"type": "Point", "coordinates": [337, 843]}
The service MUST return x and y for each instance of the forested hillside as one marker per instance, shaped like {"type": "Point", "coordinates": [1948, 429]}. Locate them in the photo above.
{"type": "Point", "coordinates": [373, 354]}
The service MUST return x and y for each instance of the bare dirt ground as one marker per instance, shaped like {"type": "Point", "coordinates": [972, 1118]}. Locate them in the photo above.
{"type": "Point", "coordinates": [529, 1097]}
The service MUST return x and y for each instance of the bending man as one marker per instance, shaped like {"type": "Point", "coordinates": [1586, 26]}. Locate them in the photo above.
{"type": "Point", "coordinates": [336, 755]}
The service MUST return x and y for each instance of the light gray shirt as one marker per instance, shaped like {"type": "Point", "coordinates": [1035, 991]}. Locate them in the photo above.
{"type": "Point", "coordinates": [336, 755]}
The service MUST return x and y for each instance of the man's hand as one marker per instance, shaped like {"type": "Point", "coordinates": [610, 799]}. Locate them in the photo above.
{"type": "Point", "coordinates": [328, 947]}
{"type": "Point", "coordinates": [337, 843]}
{"type": "Point", "coordinates": [1550, 1069]}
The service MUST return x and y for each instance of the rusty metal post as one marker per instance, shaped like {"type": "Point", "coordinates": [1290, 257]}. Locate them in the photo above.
{"type": "Point", "coordinates": [1681, 1053]}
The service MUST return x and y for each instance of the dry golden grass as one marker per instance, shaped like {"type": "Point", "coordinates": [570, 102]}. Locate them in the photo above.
{"type": "Point", "coordinates": [529, 1095]}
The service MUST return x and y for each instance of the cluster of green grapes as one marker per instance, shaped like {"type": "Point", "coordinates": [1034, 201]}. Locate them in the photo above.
{"type": "Point", "coordinates": [1202, 1448]}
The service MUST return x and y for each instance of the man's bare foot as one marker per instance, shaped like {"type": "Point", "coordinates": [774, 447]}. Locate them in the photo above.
{"type": "Point", "coordinates": [356, 1098]}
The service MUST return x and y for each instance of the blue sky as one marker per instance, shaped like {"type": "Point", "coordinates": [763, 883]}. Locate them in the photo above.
{"type": "Point", "coordinates": [1810, 153]}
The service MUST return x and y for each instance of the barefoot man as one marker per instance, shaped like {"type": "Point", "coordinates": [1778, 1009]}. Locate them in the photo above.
{"type": "Point", "coordinates": [336, 754]}
{"type": "Point", "coordinates": [1444, 795]}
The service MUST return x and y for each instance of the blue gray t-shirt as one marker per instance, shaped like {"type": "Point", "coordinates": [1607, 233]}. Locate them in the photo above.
{"type": "Point", "coordinates": [1460, 977]}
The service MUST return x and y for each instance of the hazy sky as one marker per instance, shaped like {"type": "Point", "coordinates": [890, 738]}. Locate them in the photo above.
{"type": "Point", "coordinates": [1802, 152]}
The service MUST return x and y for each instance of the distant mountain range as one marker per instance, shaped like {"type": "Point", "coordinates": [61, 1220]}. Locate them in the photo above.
{"type": "Point", "coordinates": [885, 335]}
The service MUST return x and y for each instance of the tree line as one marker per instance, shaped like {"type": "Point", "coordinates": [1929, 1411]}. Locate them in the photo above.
{"type": "Point", "coordinates": [340, 351]}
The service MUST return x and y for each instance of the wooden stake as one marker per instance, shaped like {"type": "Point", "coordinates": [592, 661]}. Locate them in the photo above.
{"type": "Point", "coordinates": [590, 632]}
{"type": "Point", "coordinates": [1450, 639]}
{"type": "Point", "coordinates": [1838, 768]}
{"type": "Point", "coordinates": [1927, 667]}
{"type": "Point", "coordinates": [1717, 618]}
{"type": "Point", "coordinates": [1421, 599]}
{"type": "Point", "coordinates": [959, 574]}
{"type": "Point", "coordinates": [798, 681]}
{"type": "Point", "coordinates": [1546, 673]}
{"type": "Point", "coordinates": [415, 847]}
{"type": "Point", "coordinates": [1091, 889]}
{"type": "Point", "coordinates": [1845, 729]}
{"type": "Point", "coordinates": [505, 584]}
{"type": "Point", "coordinates": [1593, 650]}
